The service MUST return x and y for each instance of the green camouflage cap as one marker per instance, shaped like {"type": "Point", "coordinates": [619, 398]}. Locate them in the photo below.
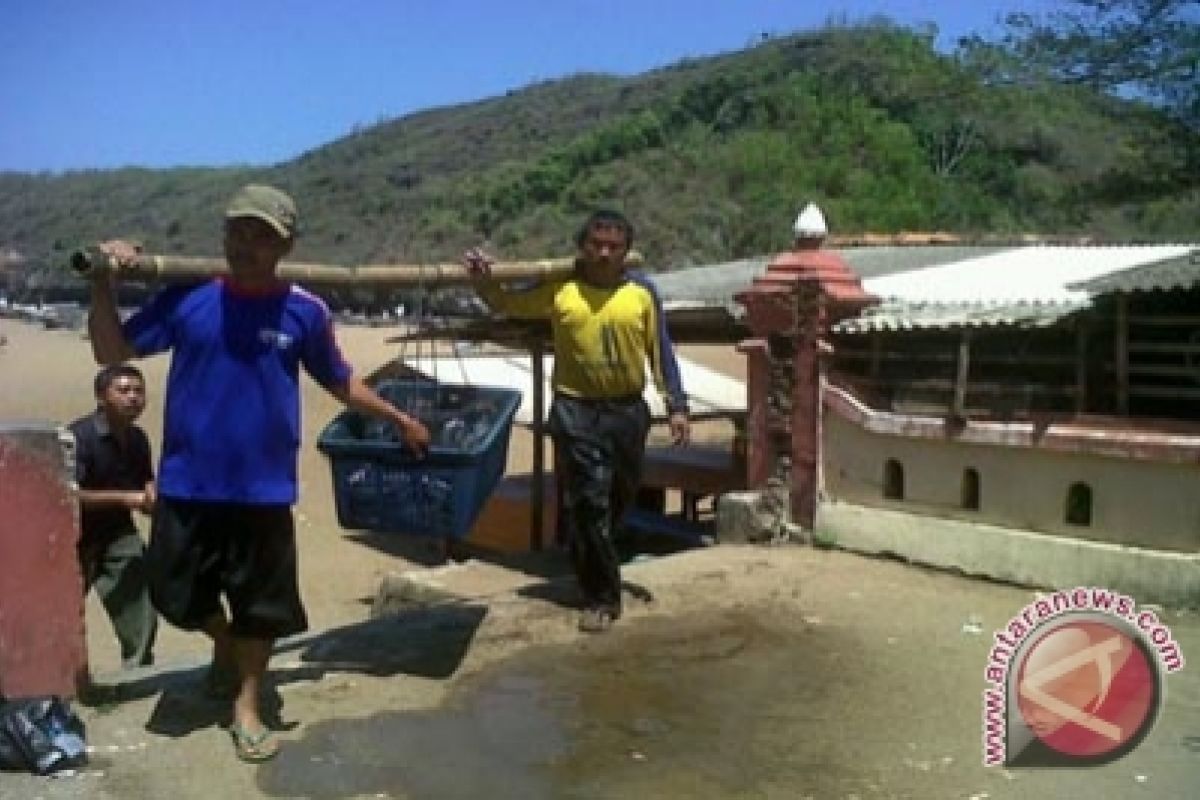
{"type": "Point", "coordinates": [267, 203]}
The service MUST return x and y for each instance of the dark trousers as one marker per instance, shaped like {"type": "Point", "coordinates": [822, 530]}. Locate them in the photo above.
{"type": "Point", "coordinates": [598, 447]}
{"type": "Point", "coordinates": [115, 566]}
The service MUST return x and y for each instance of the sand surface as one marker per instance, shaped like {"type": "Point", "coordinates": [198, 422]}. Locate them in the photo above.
{"type": "Point", "coordinates": [48, 376]}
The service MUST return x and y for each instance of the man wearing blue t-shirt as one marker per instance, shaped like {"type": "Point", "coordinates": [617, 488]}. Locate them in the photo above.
{"type": "Point", "coordinates": [223, 525]}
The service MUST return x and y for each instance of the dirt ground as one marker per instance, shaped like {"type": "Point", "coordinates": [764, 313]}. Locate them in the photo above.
{"type": "Point", "coordinates": [160, 740]}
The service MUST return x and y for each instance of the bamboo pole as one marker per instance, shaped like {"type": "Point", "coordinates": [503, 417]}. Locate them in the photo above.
{"type": "Point", "coordinates": [182, 269]}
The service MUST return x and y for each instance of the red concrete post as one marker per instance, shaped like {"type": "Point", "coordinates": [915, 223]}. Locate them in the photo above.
{"type": "Point", "coordinates": [42, 640]}
{"type": "Point", "coordinates": [771, 314]}
{"type": "Point", "coordinates": [806, 406]}
{"type": "Point", "coordinates": [759, 459]}
{"type": "Point", "coordinates": [791, 308]}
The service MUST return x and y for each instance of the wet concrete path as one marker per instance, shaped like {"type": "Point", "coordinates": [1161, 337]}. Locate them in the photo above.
{"type": "Point", "coordinates": [788, 673]}
{"type": "Point", "coordinates": [739, 704]}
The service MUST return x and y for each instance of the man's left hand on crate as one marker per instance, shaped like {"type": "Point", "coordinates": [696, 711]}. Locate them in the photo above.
{"type": "Point", "coordinates": [360, 397]}
{"type": "Point", "coordinates": [413, 432]}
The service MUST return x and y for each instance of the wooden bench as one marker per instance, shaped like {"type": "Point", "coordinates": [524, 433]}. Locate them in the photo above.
{"type": "Point", "coordinates": [697, 471]}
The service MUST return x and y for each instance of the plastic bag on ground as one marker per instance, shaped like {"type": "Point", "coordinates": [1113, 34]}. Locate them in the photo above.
{"type": "Point", "coordinates": [41, 735]}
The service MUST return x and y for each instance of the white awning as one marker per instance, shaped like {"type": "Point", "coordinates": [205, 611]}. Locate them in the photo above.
{"type": "Point", "coordinates": [708, 391]}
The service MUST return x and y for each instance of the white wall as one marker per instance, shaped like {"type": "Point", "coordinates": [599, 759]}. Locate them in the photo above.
{"type": "Point", "coordinates": [1135, 502]}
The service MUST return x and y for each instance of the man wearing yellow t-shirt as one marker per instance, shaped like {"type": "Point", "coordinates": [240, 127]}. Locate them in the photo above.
{"type": "Point", "coordinates": [607, 324]}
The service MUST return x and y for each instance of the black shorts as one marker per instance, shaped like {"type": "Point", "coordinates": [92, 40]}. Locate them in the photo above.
{"type": "Point", "coordinates": [200, 551]}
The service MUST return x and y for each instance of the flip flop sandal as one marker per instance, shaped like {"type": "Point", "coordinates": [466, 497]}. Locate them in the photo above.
{"type": "Point", "coordinates": [253, 748]}
{"type": "Point", "coordinates": [595, 620]}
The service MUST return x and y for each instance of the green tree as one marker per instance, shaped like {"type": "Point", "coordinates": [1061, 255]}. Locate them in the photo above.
{"type": "Point", "coordinates": [1146, 48]}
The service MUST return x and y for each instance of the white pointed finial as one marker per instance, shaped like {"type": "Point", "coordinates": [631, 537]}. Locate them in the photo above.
{"type": "Point", "coordinates": [810, 224]}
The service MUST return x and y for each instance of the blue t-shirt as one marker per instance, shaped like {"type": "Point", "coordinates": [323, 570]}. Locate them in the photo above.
{"type": "Point", "coordinates": [231, 427]}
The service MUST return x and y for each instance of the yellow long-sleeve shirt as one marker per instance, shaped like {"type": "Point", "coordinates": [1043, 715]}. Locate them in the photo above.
{"type": "Point", "coordinates": [603, 336]}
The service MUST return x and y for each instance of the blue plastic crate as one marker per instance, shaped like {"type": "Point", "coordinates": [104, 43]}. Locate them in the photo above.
{"type": "Point", "coordinates": [379, 485]}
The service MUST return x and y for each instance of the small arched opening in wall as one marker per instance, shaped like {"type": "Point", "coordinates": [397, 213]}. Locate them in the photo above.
{"type": "Point", "coordinates": [893, 480]}
{"type": "Point", "coordinates": [1079, 504]}
{"type": "Point", "coordinates": [970, 489]}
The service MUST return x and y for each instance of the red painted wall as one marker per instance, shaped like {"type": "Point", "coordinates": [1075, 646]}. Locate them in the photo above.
{"type": "Point", "coordinates": [42, 641]}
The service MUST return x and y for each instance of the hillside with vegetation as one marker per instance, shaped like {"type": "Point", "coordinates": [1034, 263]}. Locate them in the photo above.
{"type": "Point", "coordinates": [712, 158]}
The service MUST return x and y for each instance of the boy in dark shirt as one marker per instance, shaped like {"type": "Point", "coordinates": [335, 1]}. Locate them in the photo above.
{"type": "Point", "coordinates": [115, 476]}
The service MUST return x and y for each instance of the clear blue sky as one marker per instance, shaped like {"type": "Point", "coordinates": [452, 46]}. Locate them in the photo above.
{"type": "Point", "coordinates": [87, 84]}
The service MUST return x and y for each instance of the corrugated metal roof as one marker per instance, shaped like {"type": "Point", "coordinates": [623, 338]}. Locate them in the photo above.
{"type": "Point", "coordinates": [714, 285]}
{"type": "Point", "coordinates": [717, 284]}
{"type": "Point", "coordinates": [1041, 274]}
{"type": "Point", "coordinates": [874, 262]}
{"type": "Point", "coordinates": [1026, 287]}
{"type": "Point", "coordinates": [896, 315]}
{"type": "Point", "coordinates": [942, 286]}
{"type": "Point", "coordinates": [1180, 272]}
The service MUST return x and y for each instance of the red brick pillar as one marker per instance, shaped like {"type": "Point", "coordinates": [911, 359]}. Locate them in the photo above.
{"type": "Point", "coordinates": [42, 645]}
{"type": "Point", "coordinates": [790, 308]}
{"type": "Point", "coordinates": [759, 458]}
